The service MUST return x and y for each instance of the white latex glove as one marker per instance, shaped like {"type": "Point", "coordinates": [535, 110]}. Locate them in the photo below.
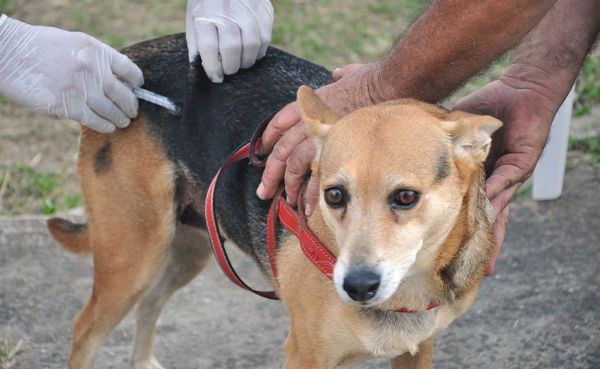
{"type": "Point", "coordinates": [67, 74]}
{"type": "Point", "coordinates": [228, 34]}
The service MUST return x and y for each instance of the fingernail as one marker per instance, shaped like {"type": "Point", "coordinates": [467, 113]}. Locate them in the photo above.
{"type": "Point", "coordinates": [260, 191]}
{"type": "Point", "coordinates": [336, 70]}
{"type": "Point", "coordinates": [307, 210]}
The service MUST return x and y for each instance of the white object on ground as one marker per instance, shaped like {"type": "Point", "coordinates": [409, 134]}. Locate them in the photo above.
{"type": "Point", "coordinates": [549, 173]}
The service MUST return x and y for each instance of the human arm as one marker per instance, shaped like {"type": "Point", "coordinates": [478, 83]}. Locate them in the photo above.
{"type": "Point", "coordinates": [449, 42]}
{"type": "Point", "coordinates": [228, 34]}
{"type": "Point", "coordinates": [527, 96]}
{"type": "Point", "coordinates": [67, 74]}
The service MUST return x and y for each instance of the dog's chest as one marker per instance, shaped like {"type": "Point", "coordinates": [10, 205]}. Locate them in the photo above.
{"type": "Point", "coordinates": [390, 334]}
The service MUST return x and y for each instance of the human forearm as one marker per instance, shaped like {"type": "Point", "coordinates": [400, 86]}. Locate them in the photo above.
{"type": "Point", "coordinates": [451, 41]}
{"type": "Point", "coordinates": [549, 58]}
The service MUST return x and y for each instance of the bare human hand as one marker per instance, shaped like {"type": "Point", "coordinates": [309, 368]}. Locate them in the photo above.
{"type": "Point", "coordinates": [291, 151]}
{"type": "Point", "coordinates": [526, 115]}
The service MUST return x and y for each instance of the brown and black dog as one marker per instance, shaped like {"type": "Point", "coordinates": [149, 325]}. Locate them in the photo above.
{"type": "Point", "coordinates": [402, 207]}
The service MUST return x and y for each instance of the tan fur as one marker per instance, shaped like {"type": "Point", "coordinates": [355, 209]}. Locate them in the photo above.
{"type": "Point", "coordinates": [435, 251]}
{"type": "Point", "coordinates": [138, 252]}
{"type": "Point", "coordinates": [76, 241]}
{"type": "Point", "coordinates": [327, 331]}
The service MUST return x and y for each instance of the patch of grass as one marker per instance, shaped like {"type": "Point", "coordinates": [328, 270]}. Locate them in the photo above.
{"type": "Point", "coordinates": [4, 6]}
{"type": "Point", "coordinates": [30, 191]}
{"type": "Point", "coordinates": [525, 190]}
{"type": "Point", "coordinates": [82, 20]}
{"type": "Point", "coordinates": [115, 40]}
{"type": "Point", "coordinates": [336, 33]}
{"type": "Point", "coordinates": [589, 145]}
{"type": "Point", "coordinates": [163, 31]}
{"type": "Point", "coordinates": [8, 353]}
{"type": "Point", "coordinates": [4, 100]}
{"type": "Point", "coordinates": [587, 87]}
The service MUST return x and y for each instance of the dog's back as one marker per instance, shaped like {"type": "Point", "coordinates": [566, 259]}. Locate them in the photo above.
{"type": "Point", "coordinates": [144, 186]}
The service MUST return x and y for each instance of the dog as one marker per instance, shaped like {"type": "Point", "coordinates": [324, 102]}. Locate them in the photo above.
{"type": "Point", "coordinates": [402, 208]}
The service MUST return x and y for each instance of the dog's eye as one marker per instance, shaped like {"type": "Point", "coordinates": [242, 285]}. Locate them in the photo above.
{"type": "Point", "coordinates": [405, 199]}
{"type": "Point", "coordinates": [335, 197]}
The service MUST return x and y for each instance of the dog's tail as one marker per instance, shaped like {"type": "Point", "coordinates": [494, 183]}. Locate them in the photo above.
{"type": "Point", "coordinates": [73, 237]}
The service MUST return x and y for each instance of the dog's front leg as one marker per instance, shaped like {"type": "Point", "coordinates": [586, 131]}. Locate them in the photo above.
{"type": "Point", "coordinates": [299, 354]}
{"type": "Point", "coordinates": [422, 360]}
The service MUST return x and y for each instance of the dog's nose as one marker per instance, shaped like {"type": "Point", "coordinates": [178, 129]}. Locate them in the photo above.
{"type": "Point", "coordinates": [361, 285]}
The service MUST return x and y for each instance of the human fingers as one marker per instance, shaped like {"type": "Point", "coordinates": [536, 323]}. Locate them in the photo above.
{"type": "Point", "coordinates": [250, 44]}
{"type": "Point", "coordinates": [499, 229]}
{"type": "Point", "coordinates": [207, 44]}
{"type": "Point", "coordinates": [265, 16]}
{"type": "Point", "coordinates": [297, 165]}
{"type": "Point", "coordinates": [230, 47]}
{"type": "Point", "coordinates": [339, 73]}
{"type": "Point", "coordinates": [105, 108]}
{"type": "Point", "coordinates": [501, 186]}
{"type": "Point", "coordinates": [122, 96]}
{"type": "Point", "coordinates": [276, 163]}
{"type": "Point", "coordinates": [89, 119]}
{"type": "Point", "coordinates": [190, 37]}
{"type": "Point", "coordinates": [285, 119]}
{"type": "Point", "coordinates": [311, 197]}
{"type": "Point", "coordinates": [126, 70]}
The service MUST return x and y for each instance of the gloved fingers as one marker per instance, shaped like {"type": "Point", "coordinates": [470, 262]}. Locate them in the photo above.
{"type": "Point", "coordinates": [230, 47]}
{"type": "Point", "coordinates": [91, 120]}
{"type": "Point", "coordinates": [265, 14]}
{"type": "Point", "coordinates": [250, 45]}
{"type": "Point", "coordinates": [125, 69]}
{"type": "Point", "coordinates": [207, 43]}
{"type": "Point", "coordinates": [122, 96]}
{"type": "Point", "coordinates": [106, 109]}
{"type": "Point", "coordinates": [190, 36]}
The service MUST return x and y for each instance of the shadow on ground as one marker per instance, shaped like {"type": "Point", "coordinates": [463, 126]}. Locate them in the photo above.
{"type": "Point", "coordinates": [540, 310]}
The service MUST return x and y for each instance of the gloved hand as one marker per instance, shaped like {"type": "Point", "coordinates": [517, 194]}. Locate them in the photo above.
{"type": "Point", "coordinates": [239, 31]}
{"type": "Point", "coordinates": [67, 74]}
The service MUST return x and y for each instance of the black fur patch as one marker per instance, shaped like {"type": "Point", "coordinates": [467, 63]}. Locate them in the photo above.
{"type": "Point", "coordinates": [103, 159]}
{"type": "Point", "coordinates": [192, 218]}
{"type": "Point", "coordinates": [443, 166]}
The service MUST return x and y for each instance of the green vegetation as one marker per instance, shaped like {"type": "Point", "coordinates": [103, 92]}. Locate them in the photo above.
{"type": "Point", "coordinates": [4, 6]}
{"type": "Point", "coordinates": [525, 190]}
{"type": "Point", "coordinates": [590, 146]}
{"type": "Point", "coordinates": [23, 189]}
{"type": "Point", "coordinates": [8, 353]}
{"type": "Point", "coordinates": [587, 87]}
{"type": "Point", "coordinates": [336, 33]}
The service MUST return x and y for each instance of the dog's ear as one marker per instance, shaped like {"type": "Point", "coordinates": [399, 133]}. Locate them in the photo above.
{"type": "Point", "coordinates": [471, 134]}
{"type": "Point", "coordinates": [317, 116]}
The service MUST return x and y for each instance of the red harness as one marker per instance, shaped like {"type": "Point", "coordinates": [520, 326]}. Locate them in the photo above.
{"type": "Point", "coordinates": [280, 211]}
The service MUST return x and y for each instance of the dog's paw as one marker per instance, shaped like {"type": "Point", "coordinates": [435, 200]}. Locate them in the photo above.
{"type": "Point", "coordinates": [148, 363]}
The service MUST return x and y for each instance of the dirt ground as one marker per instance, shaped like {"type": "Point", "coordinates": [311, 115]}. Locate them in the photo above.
{"type": "Point", "coordinates": [539, 310]}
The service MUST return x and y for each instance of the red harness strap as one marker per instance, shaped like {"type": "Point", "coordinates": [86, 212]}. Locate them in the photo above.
{"type": "Point", "coordinates": [280, 210]}
{"type": "Point", "coordinates": [213, 230]}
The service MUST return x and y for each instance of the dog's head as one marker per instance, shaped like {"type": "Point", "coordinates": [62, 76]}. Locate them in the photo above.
{"type": "Point", "coordinates": [396, 180]}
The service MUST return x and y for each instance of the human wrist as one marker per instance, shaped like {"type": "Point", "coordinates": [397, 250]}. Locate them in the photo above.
{"type": "Point", "coordinates": [380, 85]}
